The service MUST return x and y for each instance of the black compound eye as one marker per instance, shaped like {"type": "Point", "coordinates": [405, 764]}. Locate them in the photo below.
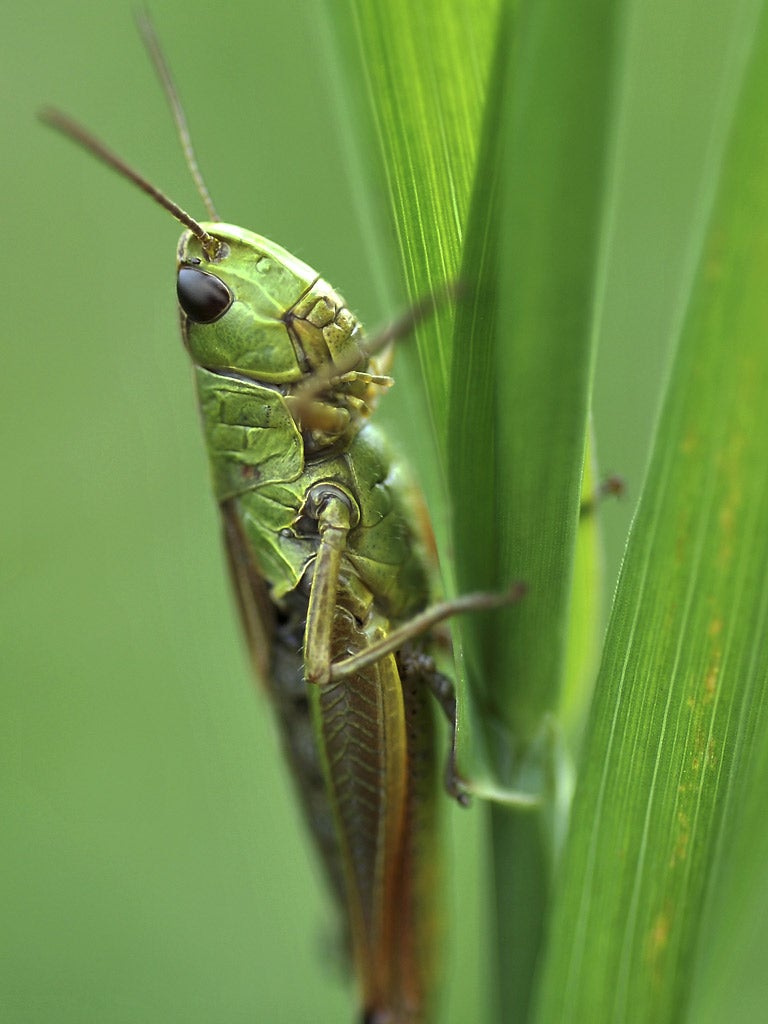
{"type": "Point", "coordinates": [203, 297]}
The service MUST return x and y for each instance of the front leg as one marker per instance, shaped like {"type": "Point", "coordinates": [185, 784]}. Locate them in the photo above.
{"type": "Point", "coordinates": [336, 513]}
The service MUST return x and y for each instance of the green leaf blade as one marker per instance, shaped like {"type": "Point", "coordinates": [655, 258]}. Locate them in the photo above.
{"type": "Point", "coordinates": [522, 370]}
{"type": "Point", "coordinates": [556, 126]}
{"type": "Point", "coordinates": [681, 700]}
{"type": "Point", "coordinates": [546, 155]}
{"type": "Point", "coordinates": [427, 103]}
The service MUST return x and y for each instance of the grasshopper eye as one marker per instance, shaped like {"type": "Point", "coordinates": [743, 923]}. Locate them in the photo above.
{"type": "Point", "coordinates": [203, 297]}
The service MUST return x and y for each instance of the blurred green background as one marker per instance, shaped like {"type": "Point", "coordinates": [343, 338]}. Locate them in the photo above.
{"type": "Point", "coordinates": [153, 864]}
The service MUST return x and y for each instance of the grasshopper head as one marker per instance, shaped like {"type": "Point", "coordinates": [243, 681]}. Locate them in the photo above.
{"type": "Point", "coordinates": [255, 310]}
{"type": "Point", "coordinates": [234, 304]}
{"type": "Point", "coordinates": [247, 306]}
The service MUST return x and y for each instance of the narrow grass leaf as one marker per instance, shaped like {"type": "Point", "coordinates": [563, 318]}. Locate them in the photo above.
{"type": "Point", "coordinates": [539, 240]}
{"type": "Point", "coordinates": [680, 715]}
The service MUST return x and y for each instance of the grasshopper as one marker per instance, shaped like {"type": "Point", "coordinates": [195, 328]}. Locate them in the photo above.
{"type": "Point", "coordinates": [327, 560]}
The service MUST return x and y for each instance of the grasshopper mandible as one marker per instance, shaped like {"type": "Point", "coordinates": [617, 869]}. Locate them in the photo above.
{"type": "Point", "coordinates": [327, 563]}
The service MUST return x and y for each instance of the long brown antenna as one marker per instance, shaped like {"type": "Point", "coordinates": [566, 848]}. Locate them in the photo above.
{"type": "Point", "coordinates": [75, 131]}
{"type": "Point", "coordinates": [152, 43]}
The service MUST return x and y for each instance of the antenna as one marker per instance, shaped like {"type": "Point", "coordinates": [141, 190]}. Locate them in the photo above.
{"type": "Point", "coordinates": [155, 51]}
{"type": "Point", "coordinates": [77, 133]}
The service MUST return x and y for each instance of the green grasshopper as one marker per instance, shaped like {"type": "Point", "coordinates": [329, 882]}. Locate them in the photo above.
{"type": "Point", "coordinates": [327, 559]}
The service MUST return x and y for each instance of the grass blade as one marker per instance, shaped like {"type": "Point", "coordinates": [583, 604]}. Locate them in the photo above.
{"type": "Point", "coordinates": [680, 710]}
